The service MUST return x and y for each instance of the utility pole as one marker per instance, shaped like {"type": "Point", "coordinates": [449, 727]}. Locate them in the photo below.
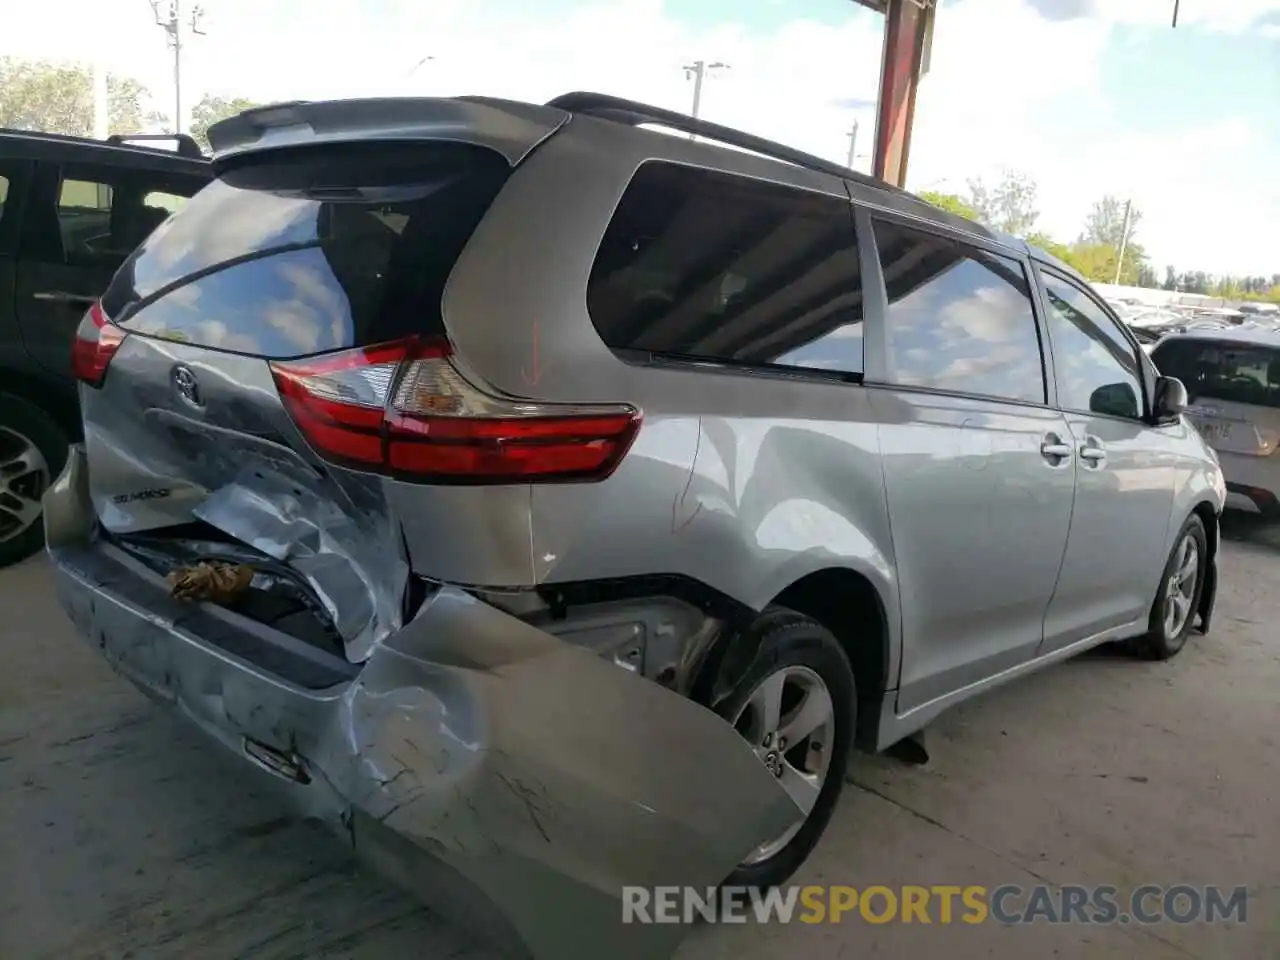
{"type": "Point", "coordinates": [1124, 239]}
{"type": "Point", "coordinates": [1175, 11]}
{"type": "Point", "coordinates": [697, 70]}
{"type": "Point", "coordinates": [171, 21]}
{"type": "Point", "coordinates": [853, 143]}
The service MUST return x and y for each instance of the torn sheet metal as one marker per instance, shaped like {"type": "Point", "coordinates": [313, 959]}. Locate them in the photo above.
{"type": "Point", "coordinates": [526, 763]}
{"type": "Point", "coordinates": [496, 770]}
{"type": "Point", "coordinates": [333, 550]}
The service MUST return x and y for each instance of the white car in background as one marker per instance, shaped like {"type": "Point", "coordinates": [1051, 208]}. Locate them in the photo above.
{"type": "Point", "coordinates": [1232, 376]}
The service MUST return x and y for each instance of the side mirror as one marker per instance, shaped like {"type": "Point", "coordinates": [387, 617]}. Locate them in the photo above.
{"type": "Point", "coordinates": [1171, 398]}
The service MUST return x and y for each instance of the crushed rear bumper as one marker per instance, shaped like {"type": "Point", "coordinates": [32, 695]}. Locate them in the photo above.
{"type": "Point", "coordinates": [509, 779]}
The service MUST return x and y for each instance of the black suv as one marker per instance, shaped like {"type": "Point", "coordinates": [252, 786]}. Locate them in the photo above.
{"type": "Point", "coordinates": [71, 211]}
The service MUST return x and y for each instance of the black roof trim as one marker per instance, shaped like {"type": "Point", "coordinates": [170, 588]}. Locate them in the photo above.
{"type": "Point", "coordinates": [634, 113]}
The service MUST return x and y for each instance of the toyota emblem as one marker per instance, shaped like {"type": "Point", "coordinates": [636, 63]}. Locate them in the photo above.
{"type": "Point", "coordinates": [187, 386]}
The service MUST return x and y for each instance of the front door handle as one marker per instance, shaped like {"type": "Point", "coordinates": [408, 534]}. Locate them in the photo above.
{"type": "Point", "coordinates": [1094, 455]}
{"type": "Point", "coordinates": [1053, 449]}
{"type": "Point", "coordinates": [62, 296]}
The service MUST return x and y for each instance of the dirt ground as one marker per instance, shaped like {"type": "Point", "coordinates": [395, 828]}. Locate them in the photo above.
{"type": "Point", "coordinates": [125, 835]}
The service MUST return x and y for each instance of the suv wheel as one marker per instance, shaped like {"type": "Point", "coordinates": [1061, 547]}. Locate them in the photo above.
{"type": "Point", "coordinates": [795, 705]}
{"type": "Point", "coordinates": [33, 449]}
{"type": "Point", "coordinates": [1174, 611]}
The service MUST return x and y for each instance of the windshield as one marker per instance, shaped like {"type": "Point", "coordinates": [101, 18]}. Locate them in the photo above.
{"type": "Point", "coordinates": [1218, 370]}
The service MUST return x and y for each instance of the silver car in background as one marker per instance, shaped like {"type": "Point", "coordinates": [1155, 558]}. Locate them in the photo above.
{"type": "Point", "coordinates": [1232, 376]}
{"type": "Point", "coordinates": [602, 489]}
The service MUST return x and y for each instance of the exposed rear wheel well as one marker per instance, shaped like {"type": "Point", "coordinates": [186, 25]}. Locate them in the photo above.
{"type": "Point", "coordinates": [848, 605]}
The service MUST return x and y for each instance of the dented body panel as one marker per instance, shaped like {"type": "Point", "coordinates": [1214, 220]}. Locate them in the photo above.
{"type": "Point", "coordinates": [232, 462]}
{"type": "Point", "coordinates": [454, 738]}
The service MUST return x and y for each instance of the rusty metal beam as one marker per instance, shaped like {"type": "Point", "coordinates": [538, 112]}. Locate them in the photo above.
{"type": "Point", "coordinates": [907, 27]}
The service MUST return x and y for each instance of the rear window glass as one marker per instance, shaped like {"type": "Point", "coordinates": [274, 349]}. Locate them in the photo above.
{"type": "Point", "coordinates": [1217, 370]}
{"type": "Point", "coordinates": [310, 252]}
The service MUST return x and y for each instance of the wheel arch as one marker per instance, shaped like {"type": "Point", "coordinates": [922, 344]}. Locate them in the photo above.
{"type": "Point", "coordinates": [59, 405]}
{"type": "Point", "coordinates": [849, 604]}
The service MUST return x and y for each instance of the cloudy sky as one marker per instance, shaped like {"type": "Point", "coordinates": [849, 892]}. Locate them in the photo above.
{"type": "Point", "coordinates": [1088, 96]}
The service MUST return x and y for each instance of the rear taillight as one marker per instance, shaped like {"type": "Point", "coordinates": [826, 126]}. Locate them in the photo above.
{"type": "Point", "coordinates": [404, 409]}
{"type": "Point", "coordinates": [97, 340]}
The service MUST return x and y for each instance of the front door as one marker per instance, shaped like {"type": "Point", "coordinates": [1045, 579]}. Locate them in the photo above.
{"type": "Point", "coordinates": [1125, 471]}
{"type": "Point", "coordinates": [977, 466]}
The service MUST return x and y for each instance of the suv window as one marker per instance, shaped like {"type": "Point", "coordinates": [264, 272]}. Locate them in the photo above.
{"type": "Point", "coordinates": [311, 251]}
{"type": "Point", "coordinates": [702, 265]}
{"type": "Point", "coordinates": [959, 318]}
{"type": "Point", "coordinates": [1096, 366]}
{"type": "Point", "coordinates": [1221, 370]}
{"type": "Point", "coordinates": [104, 213]}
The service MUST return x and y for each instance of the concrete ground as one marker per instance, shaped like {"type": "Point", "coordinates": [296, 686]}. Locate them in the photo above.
{"type": "Point", "coordinates": [124, 835]}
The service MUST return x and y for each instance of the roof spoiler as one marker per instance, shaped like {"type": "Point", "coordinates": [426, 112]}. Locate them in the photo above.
{"type": "Point", "coordinates": [186, 144]}
{"type": "Point", "coordinates": [510, 127]}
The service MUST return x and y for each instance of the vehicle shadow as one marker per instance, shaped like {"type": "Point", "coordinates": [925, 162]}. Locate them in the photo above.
{"type": "Point", "coordinates": [1242, 527]}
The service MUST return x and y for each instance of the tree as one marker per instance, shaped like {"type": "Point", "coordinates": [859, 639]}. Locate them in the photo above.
{"type": "Point", "coordinates": [1050, 246]}
{"type": "Point", "coordinates": [1147, 276]}
{"type": "Point", "coordinates": [1105, 223]}
{"type": "Point", "coordinates": [1170, 278]}
{"type": "Point", "coordinates": [58, 98]}
{"type": "Point", "coordinates": [950, 202]}
{"type": "Point", "coordinates": [210, 110]}
{"type": "Point", "coordinates": [1009, 206]}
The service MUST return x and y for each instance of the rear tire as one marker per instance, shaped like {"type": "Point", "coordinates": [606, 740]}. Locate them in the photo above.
{"type": "Point", "coordinates": [801, 659]}
{"type": "Point", "coordinates": [1173, 613]}
{"type": "Point", "coordinates": [33, 451]}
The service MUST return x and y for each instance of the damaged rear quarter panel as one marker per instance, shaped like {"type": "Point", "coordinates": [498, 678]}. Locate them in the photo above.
{"type": "Point", "coordinates": [472, 751]}
{"type": "Point", "coordinates": [233, 463]}
{"type": "Point", "coordinates": [526, 763]}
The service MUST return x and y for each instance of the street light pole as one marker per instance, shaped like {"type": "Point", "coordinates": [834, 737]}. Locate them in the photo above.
{"type": "Point", "coordinates": [416, 66]}
{"type": "Point", "coordinates": [853, 143]}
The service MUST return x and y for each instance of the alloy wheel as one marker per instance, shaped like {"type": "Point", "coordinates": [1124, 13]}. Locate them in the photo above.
{"type": "Point", "coordinates": [24, 477]}
{"type": "Point", "coordinates": [789, 720]}
{"type": "Point", "coordinates": [1180, 588]}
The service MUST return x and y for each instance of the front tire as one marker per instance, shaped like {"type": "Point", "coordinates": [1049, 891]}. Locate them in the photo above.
{"type": "Point", "coordinates": [33, 450]}
{"type": "Point", "coordinates": [1173, 612]}
{"type": "Point", "coordinates": [798, 689]}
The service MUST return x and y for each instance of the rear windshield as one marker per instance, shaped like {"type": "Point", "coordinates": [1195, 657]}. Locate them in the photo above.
{"type": "Point", "coordinates": [1219, 370]}
{"type": "Point", "coordinates": [313, 251]}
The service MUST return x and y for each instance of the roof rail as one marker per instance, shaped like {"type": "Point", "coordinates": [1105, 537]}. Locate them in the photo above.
{"type": "Point", "coordinates": [632, 112]}
{"type": "Point", "coordinates": [187, 146]}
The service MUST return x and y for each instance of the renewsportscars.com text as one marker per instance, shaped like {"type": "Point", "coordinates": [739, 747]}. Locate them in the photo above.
{"type": "Point", "coordinates": [938, 904]}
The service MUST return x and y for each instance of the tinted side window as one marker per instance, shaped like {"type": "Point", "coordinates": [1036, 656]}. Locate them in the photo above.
{"type": "Point", "coordinates": [703, 265]}
{"type": "Point", "coordinates": [105, 212]}
{"type": "Point", "coordinates": [959, 319]}
{"type": "Point", "coordinates": [84, 220]}
{"type": "Point", "coordinates": [1096, 367]}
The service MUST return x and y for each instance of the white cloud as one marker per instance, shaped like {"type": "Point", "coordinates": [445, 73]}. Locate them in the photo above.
{"type": "Point", "coordinates": [796, 85]}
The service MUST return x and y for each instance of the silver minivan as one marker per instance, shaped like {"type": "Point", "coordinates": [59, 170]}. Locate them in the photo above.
{"type": "Point", "coordinates": [600, 489]}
